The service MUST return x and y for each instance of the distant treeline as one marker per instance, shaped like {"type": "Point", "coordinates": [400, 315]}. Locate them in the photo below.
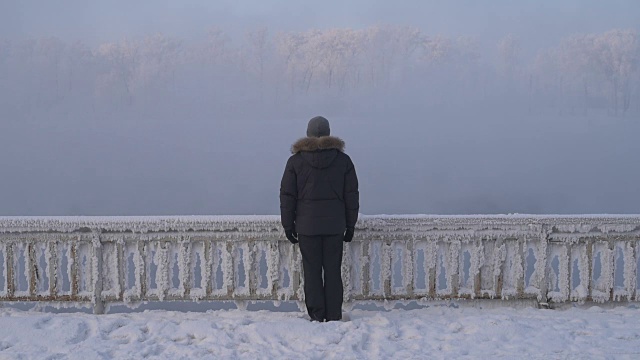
{"type": "Point", "coordinates": [345, 70]}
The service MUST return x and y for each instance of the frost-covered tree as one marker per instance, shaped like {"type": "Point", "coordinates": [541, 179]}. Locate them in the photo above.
{"type": "Point", "coordinates": [159, 56]}
{"type": "Point", "coordinates": [215, 48]}
{"type": "Point", "coordinates": [49, 56]}
{"type": "Point", "coordinates": [80, 70]}
{"type": "Point", "coordinates": [258, 49]}
{"type": "Point", "coordinates": [510, 59]}
{"type": "Point", "coordinates": [371, 68]}
{"type": "Point", "coordinates": [585, 68]}
{"type": "Point", "coordinates": [616, 55]}
{"type": "Point", "coordinates": [119, 65]}
{"type": "Point", "coordinates": [289, 50]}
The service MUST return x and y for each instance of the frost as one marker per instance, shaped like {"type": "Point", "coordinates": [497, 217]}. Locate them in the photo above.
{"type": "Point", "coordinates": [559, 285]}
{"type": "Point", "coordinates": [579, 256]}
{"type": "Point", "coordinates": [184, 266]}
{"type": "Point", "coordinates": [161, 260]}
{"type": "Point", "coordinates": [273, 265]}
{"type": "Point", "coordinates": [602, 286]}
{"type": "Point", "coordinates": [227, 268]}
{"type": "Point", "coordinates": [107, 260]}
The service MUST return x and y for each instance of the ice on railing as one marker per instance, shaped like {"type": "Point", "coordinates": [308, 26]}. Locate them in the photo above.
{"type": "Point", "coordinates": [260, 225]}
{"type": "Point", "coordinates": [602, 279]}
{"type": "Point", "coordinates": [3, 270]}
{"type": "Point", "coordinates": [96, 271]}
{"type": "Point", "coordinates": [217, 270]}
{"type": "Point", "coordinates": [471, 261]}
{"type": "Point", "coordinates": [22, 274]}
{"type": "Point", "coordinates": [557, 258]}
{"type": "Point", "coordinates": [513, 277]}
{"type": "Point", "coordinates": [625, 273]}
{"type": "Point", "coordinates": [580, 267]}
{"type": "Point", "coordinates": [538, 286]}
{"type": "Point", "coordinates": [199, 270]}
{"type": "Point", "coordinates": [558, 264]}
{"type": "Point", "coordinates": [161, 261]}
{"type": "Point", "coordinates": [134, 255]}
{"type": "Point", "coordinates": [273, 279]}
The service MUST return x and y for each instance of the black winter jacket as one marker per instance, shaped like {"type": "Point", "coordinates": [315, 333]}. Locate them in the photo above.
{"type": "Point", "coordinates": [319, 189]}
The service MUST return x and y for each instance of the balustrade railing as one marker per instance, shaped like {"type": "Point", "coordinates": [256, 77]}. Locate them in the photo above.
{"type": "Point", "coordinates": [105, 260]}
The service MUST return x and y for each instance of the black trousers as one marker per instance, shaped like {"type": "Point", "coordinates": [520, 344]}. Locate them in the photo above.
{"type": "Point", "coordinates": [323, 297]}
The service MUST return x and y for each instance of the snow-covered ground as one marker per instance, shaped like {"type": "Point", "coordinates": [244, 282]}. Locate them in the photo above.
{"type": "Point", "coordinates": [437, 332]}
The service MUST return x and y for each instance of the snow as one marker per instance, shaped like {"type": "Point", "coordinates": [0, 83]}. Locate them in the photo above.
{"type": "Point", "coordinates": [270, 224]}
{"type": "Point", "coordinates": [116, 261]}
{"type": "Point", "coordinates": [439, 331]}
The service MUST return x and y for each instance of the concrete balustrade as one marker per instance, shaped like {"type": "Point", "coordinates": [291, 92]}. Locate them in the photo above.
{"type": "Point", "coordinates": [105, 260]}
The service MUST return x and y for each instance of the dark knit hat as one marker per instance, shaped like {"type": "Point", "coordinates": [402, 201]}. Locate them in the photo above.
{"type": "Point", "coordinates": [318, 126]}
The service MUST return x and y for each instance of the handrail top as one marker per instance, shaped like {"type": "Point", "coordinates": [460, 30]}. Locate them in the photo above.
{"type": "Point", "coordinates": [13, 224]}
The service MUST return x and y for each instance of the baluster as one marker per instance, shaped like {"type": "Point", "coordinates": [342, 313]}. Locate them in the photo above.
{"type": "Point", "coordinates": [216, 262]}
{"type": "Point", "coordinates": [476, 263]}
{"type": "Point", "coordinates": [610, 269]}
{"type": "Point", "coordinates": [52, 263]}
{"type": "Point", "coordinates": [564, 272]}
{"type": "Point", "coordinates": [578, 255]}
{"type": "Point", "coordinates": [98, 304]}
{"type": "Point", "coordinates": [631, 272]}
{"type": "Point", "coordinates": [499, 253]}
{"type": "Point", "coordinates": [206, 269]}
{"type": "Point", "coordinates": [409, 263]}
{"type": "Point", "coordinates": [72, 260]}
{"type": "Point", "coordinates": [520, 262]}
{"type": "Point", "coordinates": [431, 263]}
{"type": "Point", "coordinates": [31, 269]}
{"type": "Point", "coordinates": [251, 267]}
{"type": "Point", "coordinates": [228, 271]}
{"type": "Point", "coordinates": [121, 266]}
{"type": "Point", "coordinates": [10, 280]}
{"type": "Point", "coordinates": [285, 266]}
{"type": "Point", "coordinates": [184, 266]}
{"type": "Point", "coordinates": [453, 265]}
{"type": "Point", "coordinates": [273, 268]}
{"type": "Point", "coordinates": [630, 262]}
{"type": "Point", "coordinates": [542, 270]}
{"type": "Point", "coordinates": [385, 268]}
{"type": "Point", "coordinates": [141, 266]}
{"type": "Point", "coordinates": [162, 269]}
{"type": "Point", "coordinates": [589, 269]}
{"type": "Point", "coordinates": [365, 274]}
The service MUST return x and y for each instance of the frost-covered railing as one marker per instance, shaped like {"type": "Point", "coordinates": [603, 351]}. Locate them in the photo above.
{"type": "Point", "coordinates": [132, 259]}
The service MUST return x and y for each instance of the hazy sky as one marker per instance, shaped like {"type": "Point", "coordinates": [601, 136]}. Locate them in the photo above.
{"type": "Point", "coordinates": [182, 155]}
{"type": "Point", "coordinates": [540, 20]}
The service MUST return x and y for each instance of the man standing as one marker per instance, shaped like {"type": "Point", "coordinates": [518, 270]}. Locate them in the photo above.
{"type": "Point", "coordinates": [319, 203]}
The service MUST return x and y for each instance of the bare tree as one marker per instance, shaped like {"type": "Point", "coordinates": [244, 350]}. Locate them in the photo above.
{"type": "Point", "coordinates": [258, 42]}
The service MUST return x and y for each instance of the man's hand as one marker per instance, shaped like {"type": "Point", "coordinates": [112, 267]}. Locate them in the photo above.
{"type": "Point", "coordinates": [292, 236]}
{"type": "Point", "coordinates": [348, 235]}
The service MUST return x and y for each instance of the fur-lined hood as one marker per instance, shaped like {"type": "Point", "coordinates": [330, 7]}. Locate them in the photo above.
{"type": "Point", "coordinates": [317, 143]}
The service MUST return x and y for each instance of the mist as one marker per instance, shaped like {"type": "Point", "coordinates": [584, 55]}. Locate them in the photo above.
{"type": "Point", "coordinates": [155, 108]}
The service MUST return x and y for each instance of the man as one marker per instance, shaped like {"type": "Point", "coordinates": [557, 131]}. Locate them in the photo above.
{"type": "Point", "coordinates": [319, 203]}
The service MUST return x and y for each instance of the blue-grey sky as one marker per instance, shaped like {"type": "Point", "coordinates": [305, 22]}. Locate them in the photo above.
{"type": "Point", "coordinates": [212, 135]}
{"type": "Point", "coordinates": [541, 21]}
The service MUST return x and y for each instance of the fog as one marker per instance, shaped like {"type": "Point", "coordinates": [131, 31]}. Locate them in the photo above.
{"type": "Point", "coordinates": [451, 107]}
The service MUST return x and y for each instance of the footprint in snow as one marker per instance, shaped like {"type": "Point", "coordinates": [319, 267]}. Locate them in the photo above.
{"type": "Point", "coordinates": [43, 323]}
{"type": "Point", "coordinates": [56, 356]}
{"type": "Point", "coordinates": [81, 334]}
{"type": "Point", "coordinates": [455, 327]}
